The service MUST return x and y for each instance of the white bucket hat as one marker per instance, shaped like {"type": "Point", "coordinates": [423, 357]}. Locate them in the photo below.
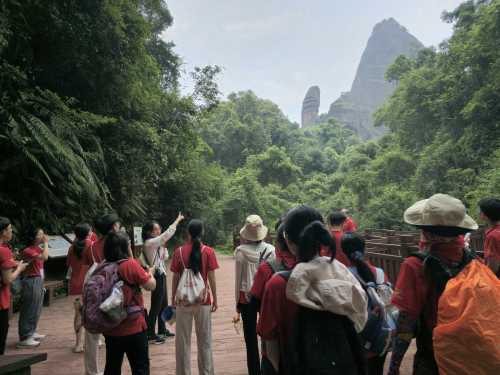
{"type": "Point", "coordinates": [441, 214]}
{"type": "Point", "coordinates": [254, 230]}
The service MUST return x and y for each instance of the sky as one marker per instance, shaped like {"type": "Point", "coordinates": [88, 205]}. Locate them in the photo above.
{"type": "Point", "coordinates": [280, 48]}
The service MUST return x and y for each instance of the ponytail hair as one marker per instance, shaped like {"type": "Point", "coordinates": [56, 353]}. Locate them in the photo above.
{"type": "Point", "coordinates": [305, 227]}
{"type": "Point", "coordinates": [82, 230]}
{"type": "Point", "coordinates": [195, 229]}
{"type": "Point", "coordinates": [116, 246]}
{"type": "Point", "coordinates": [353, 245]}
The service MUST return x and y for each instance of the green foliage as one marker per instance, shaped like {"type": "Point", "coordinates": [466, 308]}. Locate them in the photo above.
{"type": "Point", "coordinates": [92, 118]}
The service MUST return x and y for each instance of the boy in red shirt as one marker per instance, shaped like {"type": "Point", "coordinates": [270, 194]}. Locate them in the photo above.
{"type": "Point", "coordinates": [489, 211]}
{"type": "Point", "coordinates": [336, 223]}
{"type": "Point", "coordinates": [349, 224]}
{"type": "Point", "coordinates": [442, 220]}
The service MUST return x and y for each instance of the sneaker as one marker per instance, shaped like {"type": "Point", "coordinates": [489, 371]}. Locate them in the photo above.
{"type": "Point", "coordinates": [38, 337]}
{"type": "Point", "coordinates": [157, 340]}
{"type": "Point", "coordinates": [78, 349]}
{"type": "Point", "coordinates": [28, 343]}
{"type": "Point", "coordinates": [167, 334]}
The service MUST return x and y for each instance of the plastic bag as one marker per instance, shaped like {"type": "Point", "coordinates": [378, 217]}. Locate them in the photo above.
{"type": "Point", "coordinates": [114, 300]}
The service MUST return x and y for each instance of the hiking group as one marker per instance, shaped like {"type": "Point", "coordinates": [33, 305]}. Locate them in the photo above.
{"type": "Point", "coordinates": [316, 305]}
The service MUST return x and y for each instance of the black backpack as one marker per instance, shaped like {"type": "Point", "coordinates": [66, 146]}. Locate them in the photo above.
{"type": "Point", "coordinates": [424, 358]}
{"type": "Point", "coordinates": [323, 343]}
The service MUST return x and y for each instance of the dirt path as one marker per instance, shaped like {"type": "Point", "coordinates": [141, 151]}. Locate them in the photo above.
{"type": "Point", "coordinates": [56, 322]}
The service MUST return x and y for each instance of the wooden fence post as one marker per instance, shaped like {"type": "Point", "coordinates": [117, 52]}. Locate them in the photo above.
{"type": "Point", "coordinates": [383, 232]}
{"type": "Point", "coordinates": [368, 233]}
{"type": "Point", "coordinates": [394, 228]}
{"type": "Point", "coordinates": [406, 241]}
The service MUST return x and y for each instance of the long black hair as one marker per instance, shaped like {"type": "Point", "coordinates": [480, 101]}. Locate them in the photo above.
{"type": "Point", "coordinates": [353, 245]}
{"type": "Point", "coordinates": [31, 235]}
{"type": "Point", "coordinates": [82, 230]}
{"type": "Point", "coordinates": [148, 228]}
{"type": "Point", "coordinates": [305, 227]}
{"type": "Point", "coordinates": [116, 246]}
{"type": "Point", "coordinates": [279, 235]}
{"type": "Point", "coordinates": [195, 229]}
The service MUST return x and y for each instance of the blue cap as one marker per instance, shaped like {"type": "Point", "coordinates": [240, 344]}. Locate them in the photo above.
{"type": "Point", "coordinates": [168, 313]}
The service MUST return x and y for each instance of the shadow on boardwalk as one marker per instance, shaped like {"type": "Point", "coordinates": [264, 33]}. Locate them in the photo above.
{"type": "Point", "coordinates": [56, 322]}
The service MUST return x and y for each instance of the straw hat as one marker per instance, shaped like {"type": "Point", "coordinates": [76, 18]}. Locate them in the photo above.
{"type": "Point", "coordinates": [253, 229]}
{"type": "Point", "coordinates": [441, 214]}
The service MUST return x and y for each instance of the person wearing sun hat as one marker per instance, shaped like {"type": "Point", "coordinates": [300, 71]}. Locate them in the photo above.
{"type": "Point", "coordinates": [246, 258]}
{"type": "Point", "coordinates": [442, 219]}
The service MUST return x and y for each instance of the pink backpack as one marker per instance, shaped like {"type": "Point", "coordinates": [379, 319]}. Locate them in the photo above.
{"type": "Point", "coordinates": [97, 289]}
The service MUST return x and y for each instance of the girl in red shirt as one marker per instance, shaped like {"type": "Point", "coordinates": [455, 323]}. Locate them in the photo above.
{"type": "Point", "coordinates": [32, 291]}
{"type": "Point", "coordinates": [74, 260]}
{"type": "Point", "coordinates": [129, 337]}
{"type": "Point", "coordinates": [201, 260]}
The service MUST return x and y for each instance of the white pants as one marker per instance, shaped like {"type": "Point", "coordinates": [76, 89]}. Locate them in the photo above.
{"type": "Point", "coordinates": [90, 353]}
{"type": "Point", "coordinates": [183, 328]}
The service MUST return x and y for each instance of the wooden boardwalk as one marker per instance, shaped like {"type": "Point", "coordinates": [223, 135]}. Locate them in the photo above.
{"type": "Point", "coordinates": [56, 322]}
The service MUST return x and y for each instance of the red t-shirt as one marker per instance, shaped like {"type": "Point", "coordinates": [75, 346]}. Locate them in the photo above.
{"type": "Point", "coordinates": [276, 315]}
{"type": "Point", "coordinates": [78, 270]}
{"type": "Point", "coordinates": [339, 255]}
{"type": "Point", "coordinates": [96, 248]}
{"type": "Point", "coordinates": [492, 246]}
{"type": "Point", "coordinates": [412, 294]}
{"type": "Point", "coordinates": [349, 226]}
{"type": "Point", "coordinates": [36, 265]}
{"type": "Point", "coordinates": [134, 274]}
{"type": "Point", "coordinates": [461, 242]}
{"type": "Point", "coordinates": [208, 259]}
{"type": "Point", "coordinates": [6, 262]}
{"type": "Point", "coordinates": [265, 272]}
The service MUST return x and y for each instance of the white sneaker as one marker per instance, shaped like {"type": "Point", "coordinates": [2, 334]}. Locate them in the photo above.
{"type": "Point", "coordinates": [38, 337]}
{"type": "Point", "coordinates": [28, 343]}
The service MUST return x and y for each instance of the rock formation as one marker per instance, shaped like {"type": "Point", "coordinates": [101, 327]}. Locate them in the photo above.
{"type": "Point", "coordinates": [310, 107]}
{"type": "Point", "coordinates": [370, 89]}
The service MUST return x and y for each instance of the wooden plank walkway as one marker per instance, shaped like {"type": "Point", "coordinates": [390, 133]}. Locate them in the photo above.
{"type": "Point", "coordinates": [56, 322]}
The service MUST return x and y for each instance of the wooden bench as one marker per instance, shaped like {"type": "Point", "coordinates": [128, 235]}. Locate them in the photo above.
{"type": "Point", "coordinates": [20, 364]}
{"type": "Point", "coordinates": [48, 297]}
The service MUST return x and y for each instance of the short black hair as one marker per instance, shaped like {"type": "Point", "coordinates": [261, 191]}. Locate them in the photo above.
{"type": "Point", "coordinates": [337, 218]}
{"type": "Point", "coordinates": [346, 211]}
{"type": "Point", "coordinates": [490, 207]}
{"type": "Point", "coordinates": [4, 223]}
{"type": "Point", "coordinates": [106, 223]}
{"type": "Point", "coordinates": [88, 221]}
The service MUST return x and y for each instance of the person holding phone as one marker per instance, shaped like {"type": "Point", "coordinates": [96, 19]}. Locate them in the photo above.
{"type": "Point", "coordinates": [32, 291]}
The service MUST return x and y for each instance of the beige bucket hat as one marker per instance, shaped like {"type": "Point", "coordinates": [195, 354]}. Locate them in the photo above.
{"type": "Point", "coordinates": [441, 214]}
{"type": "Point", "coordinates": [254, 230]}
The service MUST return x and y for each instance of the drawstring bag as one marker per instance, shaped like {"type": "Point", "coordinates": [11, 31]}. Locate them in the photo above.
{"type": "Point", "coordinates": [191, 290]}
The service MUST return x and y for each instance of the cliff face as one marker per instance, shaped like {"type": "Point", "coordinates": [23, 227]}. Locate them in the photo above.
{"type": "Point", "coordinates": [370, 89]}
{"type": "Point", "coordinates": [310, 107]}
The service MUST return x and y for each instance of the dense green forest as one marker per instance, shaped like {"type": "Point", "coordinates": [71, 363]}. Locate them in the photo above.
{"type": "Point", "coordinates": [94, 121]}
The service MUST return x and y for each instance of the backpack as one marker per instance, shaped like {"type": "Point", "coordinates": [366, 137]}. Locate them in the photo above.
{"type": "Point", "coordinates": [466, 339]}
{"type": "Point", "coordinates": [98, 288]}
{"type": "Point", "coordinates": [379, 330]}
{"type": "Point", "coordinates": [191, 290]}
{"type": "Point", "coordinates": [323, 343]}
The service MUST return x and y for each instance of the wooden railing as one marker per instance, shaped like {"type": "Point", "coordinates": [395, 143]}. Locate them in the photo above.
{"type": "Point", "coordinates": [388, 248]}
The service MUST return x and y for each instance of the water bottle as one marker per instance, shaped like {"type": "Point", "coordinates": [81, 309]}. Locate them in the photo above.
{"type": "Point", "coordinates": [238, 325]}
